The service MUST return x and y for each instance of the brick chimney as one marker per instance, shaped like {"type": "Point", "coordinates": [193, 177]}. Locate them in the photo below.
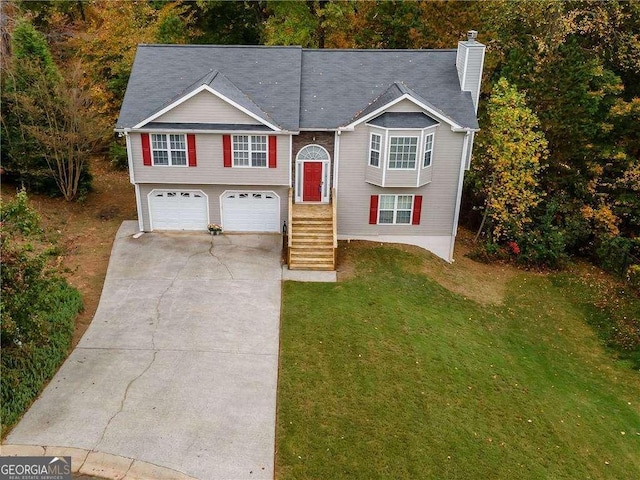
{"type": "Point", "coordinates": [469, 62]}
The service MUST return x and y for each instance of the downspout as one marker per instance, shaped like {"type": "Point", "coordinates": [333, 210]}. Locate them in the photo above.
{"type": "Point", "coordinates": [463, 158]}
{"type": "Point", "coordinates": [336, 160]}
{"type": "Point", "coordinates": [291, 162]}
{"type": "Point", "coordinates": [132, 179]}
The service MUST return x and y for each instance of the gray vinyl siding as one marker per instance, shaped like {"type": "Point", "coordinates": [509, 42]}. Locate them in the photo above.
{"type": "Point", "coordinates": [373, 175]}
{"type": "Point", "coordinates": [213, 193]}
{"type": "Point", "coordinates": [210, 167]}
{"type": "Point", "coordinates": [205, 107]}
{"type": "Point", "coordinates": [439, 196]}
{"type": "Point", "coordinates": [404, 106]}
{"type": "Point", "coordinates": [460, 58]}
{"type": "Point", "coordinates": [401, 178]}
{"type": "Point", "coordinates": [471, 71]}
{"type": "Point", "coordinates": [425, 175]}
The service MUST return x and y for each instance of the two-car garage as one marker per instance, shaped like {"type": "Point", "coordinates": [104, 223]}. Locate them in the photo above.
{"type": "Point", "coordinates": [240, 211]}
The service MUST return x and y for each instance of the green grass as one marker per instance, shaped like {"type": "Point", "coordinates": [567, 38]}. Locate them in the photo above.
{"type": "Point", "coordinates": [390, 375]}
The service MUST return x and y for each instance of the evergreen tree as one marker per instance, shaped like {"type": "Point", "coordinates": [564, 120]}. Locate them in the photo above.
{"type": "Point", "coordinates": [22, 153]}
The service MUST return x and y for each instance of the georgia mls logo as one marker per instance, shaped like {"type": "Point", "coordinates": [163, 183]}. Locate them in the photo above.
{"type": "Point", "coordinates": [35, 468]}
{"type": "Point", "coordinates": [59, 466]}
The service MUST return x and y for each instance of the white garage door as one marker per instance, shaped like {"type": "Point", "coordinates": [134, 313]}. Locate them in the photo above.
{"type": "Point", "coordinates": [251, 212]}
{"type": "Point", "coordinates": [178, 210]}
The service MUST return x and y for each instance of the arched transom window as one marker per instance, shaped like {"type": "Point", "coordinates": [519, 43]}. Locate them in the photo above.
{"type": "Point", "coordinates": [313, 152]}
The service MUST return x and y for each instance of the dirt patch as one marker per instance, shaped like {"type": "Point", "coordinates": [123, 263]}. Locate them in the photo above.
{"type": "Point", "coordinates": [85, 232]}
{"type": "Point", "coordinates": [485, 284]}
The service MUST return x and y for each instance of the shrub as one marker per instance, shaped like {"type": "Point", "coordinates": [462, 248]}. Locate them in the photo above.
{"type": "Point", "coordinates": [26, 367]}
{"type": "Point", "coordinates": [118, 154]}
{"type": "Point", "coordinates": [612, 254]}
{"type": "Point", "coordinates": [544, 244]}
{"type": "Point", "coordinates": [633, 277]}
{"type": "Point", "coordinates": [16, 215]}
{"type": "Point", "coordinates": [37, 310]}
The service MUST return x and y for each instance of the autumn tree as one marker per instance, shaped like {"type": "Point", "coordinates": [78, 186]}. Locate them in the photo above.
{"type": "Point", "coordinates": [48, 127]}
{"type": "Point", "coordinates": [66, 129]}
{"type": "Point", "coordinates": [108, 45]}
{"type": "Point", "coordinates": [578, 64]}
{"type": "Point", "coordinates": [294, 23]}
{"type": "Point", "coordinates": [512, 152]}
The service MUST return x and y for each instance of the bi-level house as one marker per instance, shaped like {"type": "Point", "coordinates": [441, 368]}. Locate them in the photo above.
{"type": "Point", "coordinates": [320, 144]}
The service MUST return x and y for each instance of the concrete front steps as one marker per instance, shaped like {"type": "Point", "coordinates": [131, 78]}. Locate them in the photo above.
{"type": "Point", "coordinates": [312, 239]}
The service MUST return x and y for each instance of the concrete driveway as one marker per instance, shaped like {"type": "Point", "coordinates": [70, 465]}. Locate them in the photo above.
{"type": "Point", "coordinates": [179, 366]}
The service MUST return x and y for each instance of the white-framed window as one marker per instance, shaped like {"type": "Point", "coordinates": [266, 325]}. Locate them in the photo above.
{"type": "Point", "coordinates": [395, 209]}
{"type": "Point", "coordinates": [250, 151]}
{"type": "Point", "coordinates": [374, 150]}
{"type": "Point", "coordinates": [169, 149]}
{"type": "Point", "coordinates": [403, 152]}
{"type": "Point", "coordinates": [428, 150]}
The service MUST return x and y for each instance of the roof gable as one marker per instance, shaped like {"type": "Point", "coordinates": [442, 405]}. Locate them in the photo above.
{"type": "Point", "coordinates": [396, 93]}
{"type": "Point", "coordinates": [202, 103]}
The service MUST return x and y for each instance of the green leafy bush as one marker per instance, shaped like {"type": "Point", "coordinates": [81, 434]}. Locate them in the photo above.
{"type": "Point", "coordinates": [612, 254]}
{"type": "Point", "coordinates": [633, 276]}
{"type": "Point", "coordinates": [18, 216]}
{"type": "Point", "coordinates": [27, 366]}
{"type": "Point", "coordinates": [544, 243]}
{"type": "Point", "coordinates": [37, 311]}
{"type": "Point", "coordinates": [118, 154]}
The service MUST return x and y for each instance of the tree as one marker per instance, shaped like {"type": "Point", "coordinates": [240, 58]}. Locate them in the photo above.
{"type": "Point", "coordinates": [578, 64]}
{"type": "Point", "coordinates": [108, 45]}
{"type": "Point", "coordinates": [65, 131]}
{"type": "Point", "coordinates": [293, 23]}
{"type": "Point", "coordinates": [511, 155]}
{"type": "Point", "coordinates": [227, 23]}
{"type": "Point", "coordinates": [22, 153]}
{"type": "Point", "coordinates": [48, 126]}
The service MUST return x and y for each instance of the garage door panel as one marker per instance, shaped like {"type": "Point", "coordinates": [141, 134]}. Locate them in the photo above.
{"type": "Point", "coordinates": [251, 212]}
{"type": "Point", "coordinates": [178, 210]}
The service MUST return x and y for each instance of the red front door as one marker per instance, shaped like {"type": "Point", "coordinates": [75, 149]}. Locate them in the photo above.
{"type": "Point", "coordinates": [312, 191]}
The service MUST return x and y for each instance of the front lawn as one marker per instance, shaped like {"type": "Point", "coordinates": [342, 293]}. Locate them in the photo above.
{"type": "Point", "coordinates": [390, 375]}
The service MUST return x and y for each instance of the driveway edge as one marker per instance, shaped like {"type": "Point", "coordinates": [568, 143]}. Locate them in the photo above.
{"type": "Point", "coordinates": [100, 464]}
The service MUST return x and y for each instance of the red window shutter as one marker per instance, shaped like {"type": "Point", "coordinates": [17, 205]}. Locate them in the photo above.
{"type": "Point", "coordinates": [191, 150]}
{"type": "Point", "coordinates": [146, 149]}
{"type": "Point", "coordinates": [417, 209]}
{"type": "Point", "coordinates": [373, 210]}
{"type": "Point", "coordinates": [226, 150]}
{"type": "Point", "coordinates": [273, 152]}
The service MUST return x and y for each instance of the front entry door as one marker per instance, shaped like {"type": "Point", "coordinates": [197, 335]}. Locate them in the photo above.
{"type": "Point", "coordinates": [312, 191]}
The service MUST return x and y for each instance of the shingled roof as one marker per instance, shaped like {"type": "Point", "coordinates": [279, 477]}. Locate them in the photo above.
{"type": "Point", "coordinates": [295, 88]}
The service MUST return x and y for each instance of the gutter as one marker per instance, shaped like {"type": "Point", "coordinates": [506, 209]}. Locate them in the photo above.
{"type": "Point", "coordinates": [127, 131]}
{"type": "Point", "coordinates": [463, 157]}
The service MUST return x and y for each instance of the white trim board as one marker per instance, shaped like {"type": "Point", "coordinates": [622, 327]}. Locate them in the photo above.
{"type": "Point", "coordinates": [439, 245]}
